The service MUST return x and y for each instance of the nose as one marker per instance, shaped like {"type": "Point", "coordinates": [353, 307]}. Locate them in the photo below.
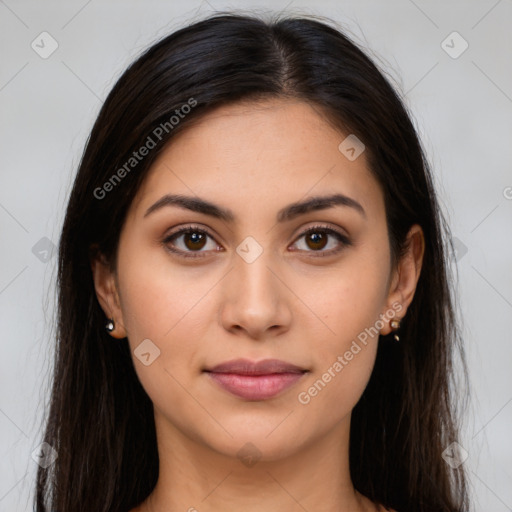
{"type": "Point", "coordinates": [256, 301]}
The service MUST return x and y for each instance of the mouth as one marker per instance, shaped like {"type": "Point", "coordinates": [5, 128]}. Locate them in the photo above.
{"type": "Point", "coordinates": [255, 380]}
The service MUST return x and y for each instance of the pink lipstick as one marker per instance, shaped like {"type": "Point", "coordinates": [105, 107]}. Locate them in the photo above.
{"type": "Point", "coordinates": [255, 380]}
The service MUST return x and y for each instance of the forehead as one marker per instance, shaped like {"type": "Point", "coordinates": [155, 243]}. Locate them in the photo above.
{"type": "Point", "coordinates": [259, 155]}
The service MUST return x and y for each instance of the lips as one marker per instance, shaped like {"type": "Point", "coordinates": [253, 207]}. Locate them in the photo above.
{"type": "Point", "coordinates": [247, 367]}
{"type": "Point", "coordinates": [255, 380]}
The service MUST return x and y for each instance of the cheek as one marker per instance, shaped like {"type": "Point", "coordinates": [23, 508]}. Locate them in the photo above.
{"type": "Point", "coordinates": [158, 300]}
{"type": "Point", "coordinates": [345, 346]}
{"type": "Point", "coordinates": [332, 392]}
{"type": "Point", "coordinates": [343, 353]}
{"type": "Point", "coordinates": [167, 308]}
{"type": "Point", "coordinates": [348, 302]}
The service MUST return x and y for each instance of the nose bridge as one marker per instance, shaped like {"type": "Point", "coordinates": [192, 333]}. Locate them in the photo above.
{"type": "Point", "coordinates": [252, 275]}
{"type": "Point", "coordinates": [254, 298]}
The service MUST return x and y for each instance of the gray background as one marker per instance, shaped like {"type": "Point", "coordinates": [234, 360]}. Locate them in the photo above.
{"type": "Point", "coordinates": [461, 106]}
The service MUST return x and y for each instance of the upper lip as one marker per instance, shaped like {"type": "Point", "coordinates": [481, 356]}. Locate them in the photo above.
{"type": "Point", "coordinates": [248, 367]}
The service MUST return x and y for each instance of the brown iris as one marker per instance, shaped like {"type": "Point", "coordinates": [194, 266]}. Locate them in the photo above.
{"type": "Point", "coordinates": [194, 240]}
{"type": "Point", "coordinates": [317, 239]}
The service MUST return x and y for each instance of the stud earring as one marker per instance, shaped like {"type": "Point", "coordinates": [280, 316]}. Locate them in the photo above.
{"type": "Point", "coordinates": [110, 326]}
{"type": "Point", "coordinates": [395, 325]}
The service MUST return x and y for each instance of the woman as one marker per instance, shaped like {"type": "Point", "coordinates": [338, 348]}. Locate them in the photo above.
{"type": "Point", "coordinates": [254, 302]}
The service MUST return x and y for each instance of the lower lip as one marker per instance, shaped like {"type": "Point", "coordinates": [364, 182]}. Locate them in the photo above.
{"type": "Point", "coordinates": [255, 387]}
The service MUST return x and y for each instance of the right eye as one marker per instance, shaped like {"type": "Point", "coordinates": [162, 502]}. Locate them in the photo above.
{"type": "Point", "coordinates": [189, 240]}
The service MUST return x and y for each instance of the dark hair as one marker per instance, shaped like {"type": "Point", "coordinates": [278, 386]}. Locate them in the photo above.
{"type": "Point", "coordinates": [100, 419]}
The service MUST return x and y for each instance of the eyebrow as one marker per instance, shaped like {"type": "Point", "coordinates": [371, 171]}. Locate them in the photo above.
{"type": "Point", "coordinates": [287, 213]}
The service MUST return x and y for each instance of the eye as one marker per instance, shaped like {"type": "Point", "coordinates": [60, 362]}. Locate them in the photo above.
{"type": "Point", "coordinates": [192, 241]}
{"type": "Point", "coordinates": [189, 240]}
{"type": "Point", "coordinates": [317, 238]}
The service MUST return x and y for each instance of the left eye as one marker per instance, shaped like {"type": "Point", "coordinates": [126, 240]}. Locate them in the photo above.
{"type": "Point", "coordinates": [317, 238]}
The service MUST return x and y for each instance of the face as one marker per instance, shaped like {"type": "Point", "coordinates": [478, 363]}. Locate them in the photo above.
{"type": "Point", "coordinates": [255, 277]}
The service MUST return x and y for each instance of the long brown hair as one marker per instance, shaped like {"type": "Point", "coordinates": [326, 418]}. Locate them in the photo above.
{"type": "Point", "coordinates": [100, 420]}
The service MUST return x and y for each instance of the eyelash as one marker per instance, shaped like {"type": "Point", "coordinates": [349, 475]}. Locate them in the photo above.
{"type": "Point", "coordinates": [345, 242]}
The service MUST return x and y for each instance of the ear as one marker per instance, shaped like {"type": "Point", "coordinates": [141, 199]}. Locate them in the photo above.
{"type": "Point", "coordinates": [107, 293]}
{"type": "Point", "coordinates": [405, 276]}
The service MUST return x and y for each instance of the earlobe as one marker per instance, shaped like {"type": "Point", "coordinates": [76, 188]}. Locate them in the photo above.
{"type": "Point", "coordinates": [108, 297]}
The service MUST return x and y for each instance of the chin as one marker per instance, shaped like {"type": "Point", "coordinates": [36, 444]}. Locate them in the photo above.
{"type": "Point", "coordinates": [251, 436]}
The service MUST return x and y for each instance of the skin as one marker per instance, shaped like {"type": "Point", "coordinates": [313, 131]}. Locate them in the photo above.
{"type": "Point", "coordinates": [288, 304]}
